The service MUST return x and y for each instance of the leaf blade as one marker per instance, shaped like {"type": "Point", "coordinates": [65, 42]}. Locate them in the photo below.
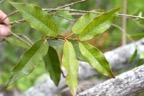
{"type": "Point", "coordinates": [70, 63]}
{"type": "Point", "coordinates": [96, 59]}
{"type": "Point", "coordinates": [134, 55]}
{"type": "Point", "coordinates": [96, 25]}
{"type": "Point", "coordinates": [37, 18]}
{"type": "Point", "coordinates": [52, 64]}
{"type": "Point", "coordinates": [82, 22]}
{"type": "Point", "coordinates": [29, 60]}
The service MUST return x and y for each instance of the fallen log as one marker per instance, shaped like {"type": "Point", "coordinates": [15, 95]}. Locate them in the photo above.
{"type": "Point", "coordinates": [130, 83]}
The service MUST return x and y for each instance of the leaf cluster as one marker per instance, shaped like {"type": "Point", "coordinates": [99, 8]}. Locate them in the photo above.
{"type": "Point", "coordinates": [74, 46]}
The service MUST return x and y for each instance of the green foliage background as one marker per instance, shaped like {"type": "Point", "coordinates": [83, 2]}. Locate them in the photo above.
{"type": "Point", "coordinates": [10, 54]}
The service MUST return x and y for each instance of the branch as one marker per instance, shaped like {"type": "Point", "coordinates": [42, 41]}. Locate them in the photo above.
{"type": "Point", "coordinates": [117, 58]}
{"type": "Point", "coordinates": [124, 21]}
{"type": "Point", "coordinates": [47, 10]}
{"type": "Point", "coordinates": [130, 16]}
{"type": "Point", "coordinates": [130, 83]}
{"type": "Point", "coordinates": [71, 20]}
{"type": "Point", "coordinates": [17, 22]}
{"type": "Point", "coordinates": [74, 12]}
{"type": "Point", "coordinates": [21, 39]}
{"type": "Point", "coordinates": [71, 4]}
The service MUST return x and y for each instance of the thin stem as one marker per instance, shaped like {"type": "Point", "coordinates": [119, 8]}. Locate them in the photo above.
{"type": "Point", "coordinates": [63, 38]}
{"type": "Point", "coordinates": [121, 29]}
{"type": "Point", "coordinates": [71, 4]}
{"type": "Point", "coordinates": [18, 37]}
{"type": "Point", "coordinates": [131, 16]}
{"type": "Point", "coordinates": [124, 22]}
{"type": "Point", "coordinates": [17, 22]}
{"type": "Point", "coordinates": [69, 35]}
{"type": "Point", "coordinates": [72, 20]}
{"type": "Point", "coordinates": [126, 34]}
{"type": "Point", "coordinates": [66, 5]}
{"type": "Point", "coordinates": [77, 11]}
{"type": "Point", "coordinates": [27, 39]}
{"type": "Point", "coordinates": [10, 15]}
{"type": "Point", "coordinates": [71, 10]}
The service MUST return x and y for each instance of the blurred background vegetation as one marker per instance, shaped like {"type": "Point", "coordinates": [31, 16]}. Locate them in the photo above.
{"type": "Point", "coordinates": [10, 54]}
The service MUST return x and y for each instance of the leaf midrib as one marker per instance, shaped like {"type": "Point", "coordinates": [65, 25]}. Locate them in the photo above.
{"type": "Point", "coordinates": [41, 22]}
{"type": "Point", "coordinates": [98, 24]}
{"type": "Point", "coordinates": [27, 62]}
{"type": "Point", "coordinates": [93, 57]}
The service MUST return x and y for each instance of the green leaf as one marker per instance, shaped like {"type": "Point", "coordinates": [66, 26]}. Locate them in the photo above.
{"type": "Point", "coordinates": [29, 60]}
{"type": "Point", "coordinates": [140, 62]}
{"type": "Point", "coordinates": [70, 63]}
{"type": "Point", "coordinates": [37, 18]}
{"type": "Point", "coordinates": [58, 45]}
{"type": "Point", "coordinates": [133, 56]}
{"type": "Point", "coordinates": [137, 35]}
{"type": "Point", "coordinates": [77, 51]}
{"type": "Point", "coordinates": [52, 64]}
{"type": "Point", "coordinates": [13, 40]}
{"type": "Point", "coordinates": [82, 22]}
{"type": "Point", "coordinates": [141, 56]}
{"type": "Point", "coordinates": [96, 59]}
{"type": "Point", "coordinates": [88, 28]}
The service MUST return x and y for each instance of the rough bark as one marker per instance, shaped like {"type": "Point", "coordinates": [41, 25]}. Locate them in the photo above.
{"type": "Point", "coordinates": [127, 84]}
{"type": "Point", "coordinates": [117, 58]}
